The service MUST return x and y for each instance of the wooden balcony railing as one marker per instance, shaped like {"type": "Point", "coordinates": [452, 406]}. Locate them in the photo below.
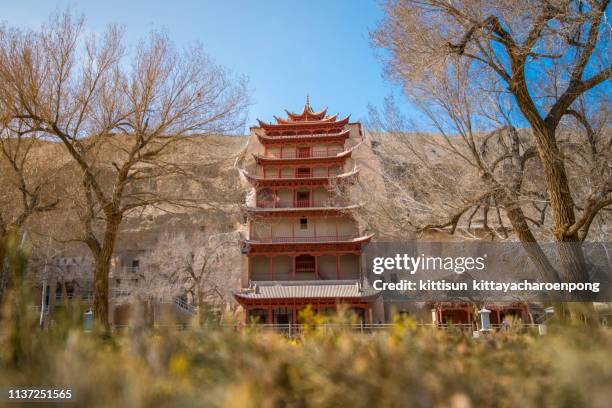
{"type": "Point", "coordinates": [306, 155]}
{"type": "Point", "coordinates": [332, 173]}
{"type": "Point", "coordinates": [300, 203]}
{"type": "Point", "coordinates": [294, 239]}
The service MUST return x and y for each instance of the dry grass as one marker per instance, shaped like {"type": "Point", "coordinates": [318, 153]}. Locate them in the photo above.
{"type": "Point", "coordinates": [406, 366]}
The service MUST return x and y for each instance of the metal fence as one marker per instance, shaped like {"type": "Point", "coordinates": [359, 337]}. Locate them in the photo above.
{"type": "Point", "coordinates": [292, 329]}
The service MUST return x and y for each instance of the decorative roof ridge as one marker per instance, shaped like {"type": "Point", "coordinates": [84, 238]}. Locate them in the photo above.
{"type": "Point", "coordinates": [320, 282]}
{"type": "Point", "coordinates": [305, 123]}
{"type": "Point", "coordinates": [344, 132]}
{"type": "Point", "coordinates": [306, 113]}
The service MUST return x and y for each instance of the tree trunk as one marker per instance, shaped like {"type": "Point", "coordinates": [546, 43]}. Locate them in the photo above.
{"type": "Point", "coordinates": [559, 194]}
{"type": "Point", "coordinates": [200, 314]}
{"type": "Point", "coordinates": [530, 244]}
{"type": "Point", "coordinates": [101, 272]}
{"type": "Point", "coordinates": [3, 267]}
{"type": "Point", "coordinates": [149, 313]}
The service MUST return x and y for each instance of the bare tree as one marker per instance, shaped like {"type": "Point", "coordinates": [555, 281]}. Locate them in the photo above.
{"type": "Point", "coordinates": [25, 185]}
{"type": "Point", "coordinates": [546, 54]}
{"type": "Point", "coordinates": [118, 117]}
{"type": "Point", "coordinates": [201, 265]}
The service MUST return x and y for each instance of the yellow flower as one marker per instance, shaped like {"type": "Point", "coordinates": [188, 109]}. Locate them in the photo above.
{"type": "Point", "coordinates": [178, 364]}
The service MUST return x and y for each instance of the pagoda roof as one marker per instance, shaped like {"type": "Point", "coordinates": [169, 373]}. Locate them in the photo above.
{"type": "Point", "coordinates": [307, 113]}
{"type": "Point", "coordinates": [261, 159]}
{"type": "Point", "coordinates": [332, 245]}
{"type": "Point", "coordinates": [299, 211]}
{"type": "Point", "coordinates": [321, 289]}
{"type": "Point", "coordinates": [292, 181]}
{"type": "Point", "coordinates": [320, 137]}
{"type": "Point", "coordinates": [315, 124]}
{"type": "Point", "coordinates": [281, 121]}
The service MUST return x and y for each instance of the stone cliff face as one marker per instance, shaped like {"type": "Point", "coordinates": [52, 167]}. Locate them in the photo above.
{"type": "Point", "coordinates": [213, 175]}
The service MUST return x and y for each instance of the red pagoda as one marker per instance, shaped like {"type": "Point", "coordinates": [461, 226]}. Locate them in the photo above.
{"type": "Point", "coordinates": [304, 247]}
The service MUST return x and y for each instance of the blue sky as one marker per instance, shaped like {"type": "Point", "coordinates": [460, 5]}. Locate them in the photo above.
{"type": "Point", "coordinates": [286, 48]}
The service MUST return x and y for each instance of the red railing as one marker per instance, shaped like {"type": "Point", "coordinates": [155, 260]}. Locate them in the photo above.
{"type": "Point", "coordinates": [318, 238]}
{"type": "Point", "coordinates": [306, 155]}
{"type": "Point", "coordinates": [332, 173]}
{"type": "Point", "coordinates": [300, 204]}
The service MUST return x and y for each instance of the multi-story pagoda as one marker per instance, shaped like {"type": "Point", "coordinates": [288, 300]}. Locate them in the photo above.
{"type": "Point", "coordinates": [304, 247]}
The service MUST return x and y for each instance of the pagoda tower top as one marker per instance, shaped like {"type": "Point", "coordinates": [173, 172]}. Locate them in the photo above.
{"type": "Point", "coordinates": [308, 117]}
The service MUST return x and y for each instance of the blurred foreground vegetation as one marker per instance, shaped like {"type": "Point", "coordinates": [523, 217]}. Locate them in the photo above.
{"type": "Point", "coordinates": [404, 366]}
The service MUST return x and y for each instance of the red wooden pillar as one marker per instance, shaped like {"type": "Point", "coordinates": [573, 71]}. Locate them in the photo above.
{"type": "Point", "coordinates": [498, 316]}
{"type": "Point", "coordinates": [469, 315]}
{"type": "Point", "coordinates": [281, 151]}
{"type": "Point", "coordinates": [270, 269]}
{"type": "Point", "coordinates": [269, 319]}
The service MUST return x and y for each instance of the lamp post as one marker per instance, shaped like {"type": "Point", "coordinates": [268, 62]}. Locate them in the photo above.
{"type": "Point", "coordinates": [485, 319]}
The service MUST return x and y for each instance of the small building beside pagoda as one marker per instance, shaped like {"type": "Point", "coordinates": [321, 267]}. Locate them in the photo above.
{"type": "Point", "coordinates": [303, 246]}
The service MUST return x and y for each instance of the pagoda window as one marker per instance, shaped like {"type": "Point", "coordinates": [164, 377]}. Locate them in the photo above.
{"type": "Point", "coordinates": [303, 223]}
{"type": "Point", "coordinates": [305, 267]}
{"type": "Point", "coordinates": [302, 199]}
{"type": "Point", "coordinates": [303, 151]}
{"type": "Point", "coordinates": [303, 172]}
